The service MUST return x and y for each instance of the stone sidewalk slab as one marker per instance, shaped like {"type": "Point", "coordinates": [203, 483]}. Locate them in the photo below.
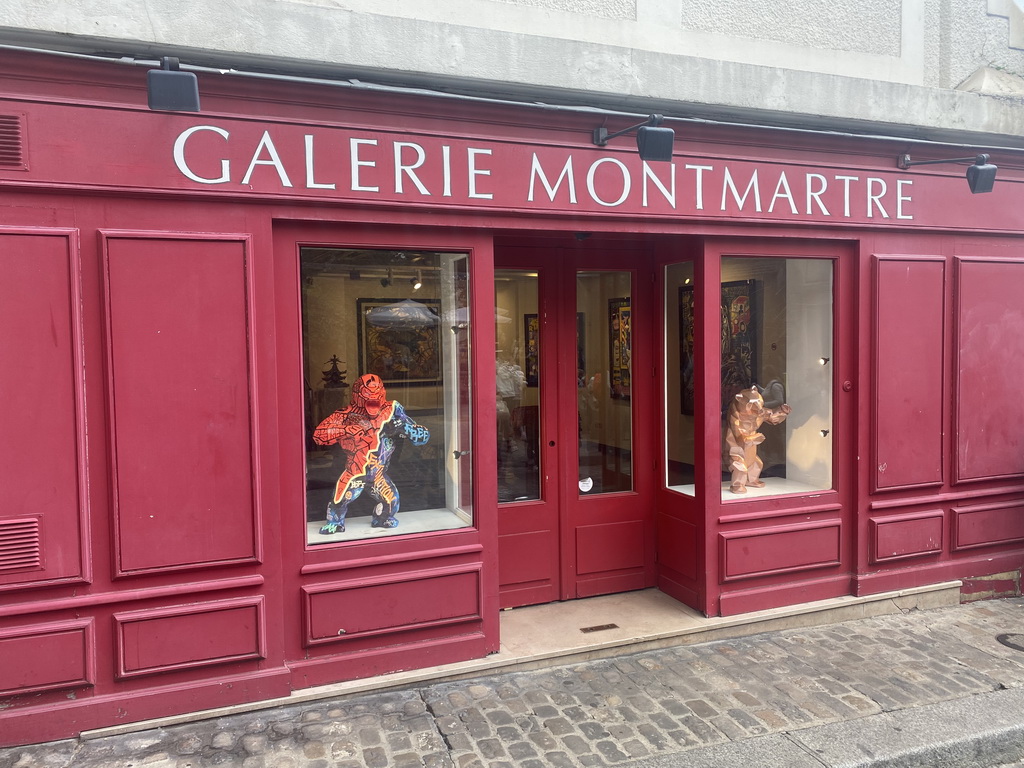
{"type": "Point", "coordinates": [984, 730]}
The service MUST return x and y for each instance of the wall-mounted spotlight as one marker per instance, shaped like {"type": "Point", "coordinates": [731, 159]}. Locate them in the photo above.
{"type": "Point", "coordinates": [386, 281]}
{"type": "Point", "coordinates": [417, 282]}
{"type": "Point", "coordinates": [652, 142]}
{"type": "Point", "coordinates": [823, 360]}
{"type": "Point", "coordinates": [171, 90]}
{"type": "Point", "coordinates": [980, 177]}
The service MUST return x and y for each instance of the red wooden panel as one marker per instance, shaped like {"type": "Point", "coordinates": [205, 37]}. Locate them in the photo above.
{"type": "Point", "coordinates": [677, 545]}
{"type": "Point", "coordinates": [46, 656]}
{"type": "Point", "coordinates": [523, 558]}
{"type": "Point", "coordinates": [987, 524]}
{"type": "Point", "coordinates": [747, 554]}
{"type": "Point", "coordinates": [610, 547]}
{"type": "Point", "coordinates": [990, 361]}
{"type": "Point", "coordinates": [41, 453]}
{"type": "Point", "coordinates": [909, 372]}
{"type": "Point", "coordinates": [901, 536]}
{"type": "Point", "coordinates": [380, 606]}
{"type": "Point", "coordinates": [189, 636]}
{"type": "Point", "coordinates": [180, 389]}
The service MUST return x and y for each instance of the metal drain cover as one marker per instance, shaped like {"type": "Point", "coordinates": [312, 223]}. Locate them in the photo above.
{"type": "Point", "coordinates": [599, 628]}
{"type": "Point", "coordinates": [1011, 641]}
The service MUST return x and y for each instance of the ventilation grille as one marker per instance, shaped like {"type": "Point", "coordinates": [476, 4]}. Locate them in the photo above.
{"type": "Point", "coordinates": [12, 136]}
{"type": "Point", "coordinates": [19, 544]}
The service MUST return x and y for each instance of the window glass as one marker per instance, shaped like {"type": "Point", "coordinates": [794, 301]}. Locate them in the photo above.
{"type": "Point", "coordinates": [517, 370]}
{"type": "Point", "coordinates": [680, 378]}
{"type": "Point", "coordinates": [386, 356]}
{"type": "Point", "coordinates": [604, 381]}
{"type": "Point", "coordinates": [776, 362]}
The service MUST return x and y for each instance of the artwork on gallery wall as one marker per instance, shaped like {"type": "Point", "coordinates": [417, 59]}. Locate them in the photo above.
{"type": "Point", "coordinates": [531, 332]}
{"type": "Point", "coordinates": [620, 347]}
{"type": "Point", "coordinates": [740, 324]}
{"type": "Point", "coordinates": [399, 340]}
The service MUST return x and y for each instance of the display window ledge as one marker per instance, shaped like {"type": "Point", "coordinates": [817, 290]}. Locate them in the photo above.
{"type": "Point", "coordinates": [773, 486]}
{"type": "Point", "coordinates": [357, 528]}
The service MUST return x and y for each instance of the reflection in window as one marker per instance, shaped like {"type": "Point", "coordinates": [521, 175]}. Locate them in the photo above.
{"type": "Point", "coordinates": [776, 353]}
{"type": "Point", "coordinates": [517, 372]}
{"type": "Point", "coordinates": [604, 381]}
{"type": "Point", "coordinates": [386, 368]}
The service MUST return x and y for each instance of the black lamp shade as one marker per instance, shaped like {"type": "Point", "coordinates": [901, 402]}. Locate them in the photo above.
{"type": "Point", "coordinates": [981, 178]}
{"type": "Point", "coordinates": [655, 143]}
{"type": "Point", "coordinates": [172, 90]}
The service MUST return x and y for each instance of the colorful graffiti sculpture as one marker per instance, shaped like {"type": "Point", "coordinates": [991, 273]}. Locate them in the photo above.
{"type": "Point", "coordinates": [366, 430]}
{"type": "Point", "coordinates": [746, 414]}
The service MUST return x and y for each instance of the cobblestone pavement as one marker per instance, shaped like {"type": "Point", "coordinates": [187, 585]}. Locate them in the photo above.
{"type": "Point", "coordinates": [632, 708]}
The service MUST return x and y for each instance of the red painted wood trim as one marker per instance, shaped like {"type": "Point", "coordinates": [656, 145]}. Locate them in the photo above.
{"type": "Point", "coordinates": [878, 523]}
{"type": "Point", "coordinates": [395, 581]}
{"type": "Point", "coordinates": [948, 497]}
{"type": "Point", "coordinates": [127, 596]}
{"type": "Point", "coordinates": [875, 469]}
{"type": "Point", "coordinates": [961, 262]}
{"type": "Point", "coordinates": [122, 620]}
{"type": "Point", "coordinates": [74, 251]}
{"type": "Point", "coordinates": [726, 539]}
{"type": "Point", "coordinates": [245, 240]}
{"type": "Point", "coordinates": [32, 725]}
{"type": "Point", "coordinates": [811, 509]}
{"type": "Point", "coordinates": [402, 557]}
{"type": "Point", "coordinates": [779, 595]}
{"type": "Point", "coordinates": [88, 631]}
{"type": "Point", "coordinates": [1017, 518]}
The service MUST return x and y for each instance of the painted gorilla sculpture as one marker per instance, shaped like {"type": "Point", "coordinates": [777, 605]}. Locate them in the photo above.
{"type": "Point", "coordinates": [746, 414]}
{"type": "Point", "coordinates": [366, 430]}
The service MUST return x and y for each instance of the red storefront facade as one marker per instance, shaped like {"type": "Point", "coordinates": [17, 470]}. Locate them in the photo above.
{"type": "Point", "coordinates": [176, 286]}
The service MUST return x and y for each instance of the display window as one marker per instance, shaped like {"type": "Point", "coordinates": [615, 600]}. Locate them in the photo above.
{"type": "Point", "coordinates": [776, 363]}
{"type": "Point", "coordinates": [387, 407]}
{"type": "Point", "coordinates": [775, 357]}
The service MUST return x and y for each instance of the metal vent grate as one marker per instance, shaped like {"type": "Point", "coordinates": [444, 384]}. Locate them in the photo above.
{"type": "Point", "coordinates": [12, 136]}
{"type": "Point", "coordinates": [19, 544]}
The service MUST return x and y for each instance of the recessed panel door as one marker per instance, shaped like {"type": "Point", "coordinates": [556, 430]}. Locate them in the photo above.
{"type": "Point", "coordinates": [575, 460]}
{"type": "Point", "coordinates": [525, 373]}
{"type": "Point", "coordinates": [607, 483]}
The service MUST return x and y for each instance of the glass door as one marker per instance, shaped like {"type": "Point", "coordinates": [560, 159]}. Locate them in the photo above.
{"type": "Point", "coordinates": [574, 516]}
{"type": "Point", "coordinates": [526, 363]}
{"type": "Point", "coordinates": [608, 369]}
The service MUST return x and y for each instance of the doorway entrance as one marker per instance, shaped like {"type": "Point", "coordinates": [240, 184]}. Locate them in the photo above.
{"type": "Point", "coordinates": [575, 421]}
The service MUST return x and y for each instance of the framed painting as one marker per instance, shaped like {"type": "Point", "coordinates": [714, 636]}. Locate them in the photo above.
{"type": "Point", "coordinates": [687, 363]}
{"type": "Point", "coordinates": [531, 332]}
{"type": "Point", "coordinates": [399, 340]}
{"type": "Point", "coordinates": [620, 347]}
{"type": "Point", "coordinates": [740, 321]}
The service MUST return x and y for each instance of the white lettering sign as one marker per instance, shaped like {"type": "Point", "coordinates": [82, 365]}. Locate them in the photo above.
{"type": "Point", "coordinates": [361, 167]}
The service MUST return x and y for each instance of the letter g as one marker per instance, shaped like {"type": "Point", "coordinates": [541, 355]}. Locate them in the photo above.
{"type": "Point", "coordinates": [179, 155]}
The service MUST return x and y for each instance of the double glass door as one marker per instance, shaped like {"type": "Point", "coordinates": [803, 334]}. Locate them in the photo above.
{"type": "Point", "coordinates": [571, 332]}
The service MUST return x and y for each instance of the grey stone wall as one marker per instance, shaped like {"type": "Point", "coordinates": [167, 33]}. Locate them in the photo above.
{"type": "Point", "coordinates": [859, 65]}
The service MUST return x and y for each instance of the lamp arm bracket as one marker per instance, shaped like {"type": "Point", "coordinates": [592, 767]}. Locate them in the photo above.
{"type": "Point", "coordinates": [904, 162]}
{"type": "Point", "coordinates": [602, 137]}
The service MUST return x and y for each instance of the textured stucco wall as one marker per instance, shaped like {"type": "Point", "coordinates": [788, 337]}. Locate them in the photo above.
{"type": "Point", "coordinates": [846, 64]}
{"type": "Point", "coordinates": [867, 26]}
